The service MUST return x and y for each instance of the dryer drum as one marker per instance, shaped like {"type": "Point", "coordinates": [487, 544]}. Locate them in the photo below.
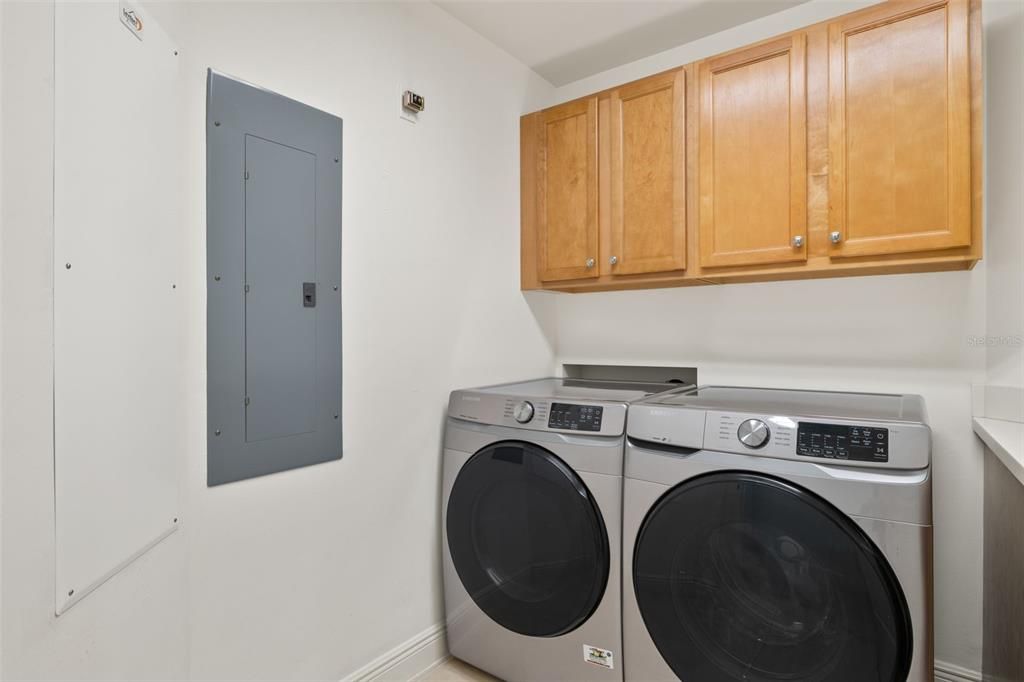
{"type": "Point", "coordinates": [743, 576]}
{"type": "Point", "coordinates": [527, 539]}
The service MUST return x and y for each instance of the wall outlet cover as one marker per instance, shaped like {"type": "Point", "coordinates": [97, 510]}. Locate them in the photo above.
{"type": "Point", "coordinates": [403, 113]}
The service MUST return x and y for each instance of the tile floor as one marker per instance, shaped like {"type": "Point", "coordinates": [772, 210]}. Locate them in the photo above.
{"type": "Point", "coordinates": [454, 670]}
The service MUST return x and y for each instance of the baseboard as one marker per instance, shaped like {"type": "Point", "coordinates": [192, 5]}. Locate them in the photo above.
{"type": "Point", "coordinates": [407, 660]}
{"type": "Point", "coordinates": [947, 672]}
{"type": "Point", "coordinates": [427, 649]}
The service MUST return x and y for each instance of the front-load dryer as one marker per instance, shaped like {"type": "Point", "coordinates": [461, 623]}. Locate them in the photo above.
{"type": "Point", "coordinates": [531, 519]}
{"type": "Point", "coordinates": [777, 535]}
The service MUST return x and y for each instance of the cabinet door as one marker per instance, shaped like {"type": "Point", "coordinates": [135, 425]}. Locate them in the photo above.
{"type": "Point", "coordinates": [753, 155]}
{"type": "Point", "coordinates": [648, 176]}
{"type": "Point", "coordinates": [899, 129]}
{"type": "Point", "coordinates": [567, 226]}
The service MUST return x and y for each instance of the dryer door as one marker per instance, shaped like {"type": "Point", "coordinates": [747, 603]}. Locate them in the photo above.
{"type": "Point", "coordinates": [742, 576]}
{"type": "Point", "coordinates": [527, 539]}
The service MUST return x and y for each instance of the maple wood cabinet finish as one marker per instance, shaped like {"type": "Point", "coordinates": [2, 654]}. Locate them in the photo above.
{"type": "Point", "coordinates": [850, 147]}
{"type": "Point", "coordinates": [753, 155]}
{"type": "Point", "coordinates": [900, 129]}
{"type": "Point", "coordinates": [647, 131]}
{"type": "Point", "coordinates": [567, 196]}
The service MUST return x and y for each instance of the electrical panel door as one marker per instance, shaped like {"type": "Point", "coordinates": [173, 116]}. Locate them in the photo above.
{"type": "Point", "coordinates": [273, 282]}
{"type": "Point", "coordinates": [280, 258]}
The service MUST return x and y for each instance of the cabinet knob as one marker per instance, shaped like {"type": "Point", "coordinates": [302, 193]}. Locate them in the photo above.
{"type": "Point", "coordinates": [835, 237]}
{"type": "Point", "coordinates": [590, 263]}
{"type": "Point", "coordinates": [798, 241]}
{"type": "Point", "coordinates": [613, 260]}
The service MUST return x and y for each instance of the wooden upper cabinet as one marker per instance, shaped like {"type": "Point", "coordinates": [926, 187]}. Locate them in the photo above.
{"type": "Point", "coordinates": [900, 129]}
{"type": "Point", "coordinates": [567, 227]}
{"type": "Point", "coordinates": [849, 147]}
{"type": "Point", "coordinates": [647, 176]}
{"type": "Point", "coordinates": [753, 155]}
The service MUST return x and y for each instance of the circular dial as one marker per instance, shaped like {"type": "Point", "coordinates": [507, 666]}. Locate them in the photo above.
{"type": "Point", "coordinates": [523, 412]}
{"type": "Point", "coordinates": [754, 433]}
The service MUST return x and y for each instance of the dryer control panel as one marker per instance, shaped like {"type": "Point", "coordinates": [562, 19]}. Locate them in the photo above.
{"type": "Point", "coordinates": [843, 441]}
{"type": "Point", "coordinates": [575, 417]}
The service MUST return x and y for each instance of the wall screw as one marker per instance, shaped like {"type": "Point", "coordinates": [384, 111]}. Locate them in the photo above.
{"type": "Point", "coordinates": [70, 592]}
{"type": "Point", "coordinates": [335, 416]}
{"type": "Point", "coordinates": [216, 123]}
{"type": "Point", "coordinates": [67, 266]}
{"type": "Point", "coordinates": [217, 432]}
{"type": "Point", "coordinates": [216, 278]}
{"type": "Point", "coordinates": [335, 161]}
{"type": "Point", "coordinates": [335, 287]}
{"type": "Point", "coordinates": [174, 286]}
{"type": "Point", "coordinates": [175, 519]}
{"type": "Point", "coordinates": [175, 53]}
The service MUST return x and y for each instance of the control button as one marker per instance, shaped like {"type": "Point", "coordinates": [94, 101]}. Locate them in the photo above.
{"type": "Point", "coordinates": [523, 412]}
{"type": "Point", "coordinates": [753, 433]}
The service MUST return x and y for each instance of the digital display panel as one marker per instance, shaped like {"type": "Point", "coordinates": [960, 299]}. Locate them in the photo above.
{"type": "Point", "coordinates": [575, 417]}
{"type": "Point", "coordinates": [841, 441]}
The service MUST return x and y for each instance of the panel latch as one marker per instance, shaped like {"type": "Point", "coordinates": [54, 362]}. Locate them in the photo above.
{"type": "Point", "coordinates": [309, 294]}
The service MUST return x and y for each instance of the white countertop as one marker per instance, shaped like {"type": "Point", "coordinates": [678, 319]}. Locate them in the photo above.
{"type": "Point", "coordinates": [1006, 440]}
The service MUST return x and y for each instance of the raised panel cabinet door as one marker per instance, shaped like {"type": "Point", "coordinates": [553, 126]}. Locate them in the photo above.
{"type": "Point", "coordinates": [753, 155]}
{"type": "Point", "coordinates": [567, 228]}
{"type": "Point", "coordinates": [648, 176]}
{"type": "Point", "coordinates": [900, 129]}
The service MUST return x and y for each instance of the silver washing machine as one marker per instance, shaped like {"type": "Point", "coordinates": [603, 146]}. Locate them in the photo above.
{"type": "Point", "coordinates": [777, 535]}
{"type": "Point", "coordinates": [531, 519]}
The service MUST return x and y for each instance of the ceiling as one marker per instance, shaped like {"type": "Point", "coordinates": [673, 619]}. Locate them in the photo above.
{"type": "Point", "coordinates": [565, 40]}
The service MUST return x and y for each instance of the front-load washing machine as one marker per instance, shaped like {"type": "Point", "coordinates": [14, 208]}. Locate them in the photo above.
{"type": "Point", "coordinates": [777, 535]}
{"type": "Point", "coordinates": [531, 506]}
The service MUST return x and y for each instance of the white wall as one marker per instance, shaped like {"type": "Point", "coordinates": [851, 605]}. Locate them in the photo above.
{"type": "Point", "coordinates": [310, 573]}
{"type": "Point", "coordinates": [2, 13]}
{"type": "Point", "coordinates": [903, 333]}
{"type": "Point", "coordinates": [1004, 201]}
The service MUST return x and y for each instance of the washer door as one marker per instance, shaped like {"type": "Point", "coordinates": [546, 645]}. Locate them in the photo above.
{"type": "Point", "coordinates": [527, 539]}
{"type": "Point", "coordinates": [741, 576]}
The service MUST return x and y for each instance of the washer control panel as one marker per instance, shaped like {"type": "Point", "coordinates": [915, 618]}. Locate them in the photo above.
{"type": "Point", "coordinates": [831, 442]}
{"type": "Point", "coordinates": [575, 417]}
{"type": "Point", "coordinates": [819, 441]}
{"type": "Point", "coordinates": [539, 413]}
{"type": "Point", "coordinates": [843, 441]}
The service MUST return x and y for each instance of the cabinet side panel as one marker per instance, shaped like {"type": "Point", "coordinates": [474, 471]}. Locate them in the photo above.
{"type": "Point", "coordinates": [529, 161]}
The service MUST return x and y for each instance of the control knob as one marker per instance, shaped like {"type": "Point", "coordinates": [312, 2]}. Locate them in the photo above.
{"type": "Point", "coordinates": [523, 412]}
{"type": "Point", "coordinates": [754, 433]}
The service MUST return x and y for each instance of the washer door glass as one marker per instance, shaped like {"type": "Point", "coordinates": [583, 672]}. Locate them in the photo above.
{"type": "Point", "coordinates": [527, 539]}
{"type": "Point", "coordinates": [741, 576]}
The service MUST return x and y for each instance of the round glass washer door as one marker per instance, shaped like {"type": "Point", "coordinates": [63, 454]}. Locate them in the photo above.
{"type": "Point", "coordinates": [742, 576]}
{"type": "Point", "coordinates": [527, 539]}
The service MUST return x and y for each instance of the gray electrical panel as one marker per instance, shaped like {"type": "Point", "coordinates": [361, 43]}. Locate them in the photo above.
{"type": "Point", "coordinates": [273, 195]}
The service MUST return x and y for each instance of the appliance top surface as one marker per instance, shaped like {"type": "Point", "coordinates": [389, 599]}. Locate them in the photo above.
{"type": "Point", "coordinates": [565, 388]}
{"type": "Point", "coordinates": [798, 403]}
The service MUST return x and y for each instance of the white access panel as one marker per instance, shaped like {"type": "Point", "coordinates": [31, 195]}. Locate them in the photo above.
{"type": "Point", "coordinates": [119, 294]}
